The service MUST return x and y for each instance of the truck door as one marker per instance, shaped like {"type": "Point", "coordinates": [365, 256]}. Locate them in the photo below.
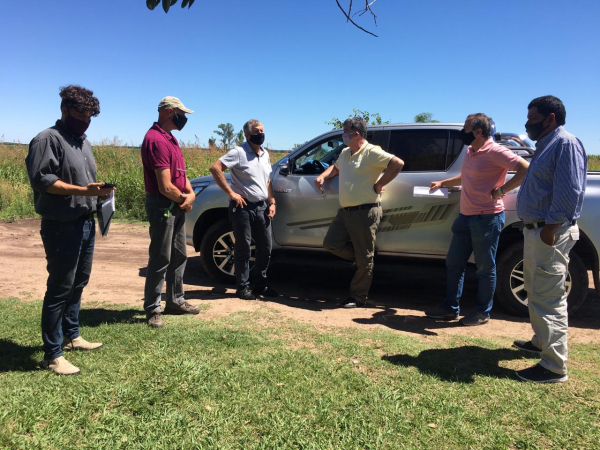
{"type": "Point", "coordinates": [417, 225]}
{"type": "Point", "coordinates": [304, 212]}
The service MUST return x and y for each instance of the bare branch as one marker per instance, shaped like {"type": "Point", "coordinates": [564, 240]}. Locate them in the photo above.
{"type": "Point", "coordinates": [347, 14]}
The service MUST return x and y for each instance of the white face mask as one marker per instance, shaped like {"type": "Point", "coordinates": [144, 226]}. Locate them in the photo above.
{"type": "Point", "coordinates": [347, 139]}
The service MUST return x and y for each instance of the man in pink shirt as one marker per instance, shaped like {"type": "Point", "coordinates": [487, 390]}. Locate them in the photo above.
{"type": "Point", "coordinates": [477, 228]}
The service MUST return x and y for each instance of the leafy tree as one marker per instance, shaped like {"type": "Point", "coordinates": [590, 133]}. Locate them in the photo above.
{"type": "Point", "coordinates": [166, 4]}
{"type": "Point", "coordinates": [227, 134]}
{"type": "Point", "coordinates": [425, 118]}
{"type": "Point", "coordinates": [370, 118]}
{"type": "Point", "coordinates": [240, 137]}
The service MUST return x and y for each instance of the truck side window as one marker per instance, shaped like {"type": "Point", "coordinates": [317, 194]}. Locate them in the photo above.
{"type": "Point", "coordinates": [318, 157]}
{"type": "Point", "coordinates": [455, 146]}
{"type": "Point", "coordinates": [421, 150]}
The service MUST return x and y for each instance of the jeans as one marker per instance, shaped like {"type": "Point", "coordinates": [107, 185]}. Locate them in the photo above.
{"type": "Point", "coordinates": [479, 235]}
{"type": "Point", "coordinates": [251, 222]}
{"type": "Point", "coordinates": [351, 236]}
{"type": "Point", "coordinates": [167, 254]}
{"type": "Point", "coordinates": [69, 250]}
{"type": "Point", "coordinates": [545, 270]}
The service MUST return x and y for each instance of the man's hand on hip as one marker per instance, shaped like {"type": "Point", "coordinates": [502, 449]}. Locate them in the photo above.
{"type": "Point", "coordinates": [547, 234]}
{"type": "Point", "coordinates": [240, 202]}
{"type": "Point", "coordinates": [271, 212]}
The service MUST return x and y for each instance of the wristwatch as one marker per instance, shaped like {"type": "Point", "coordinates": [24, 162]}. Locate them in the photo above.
{"type": "Point", "coordinates": [272, 203]}
{"type": "Point", "coordinates": [500, 190]}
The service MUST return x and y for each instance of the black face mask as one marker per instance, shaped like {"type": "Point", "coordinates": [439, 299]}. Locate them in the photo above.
{"type": "Point", "coordinates": [257, 139]}
{"type": "Point", "coordinates": [467, 138]}
{"type": "Point", "coordinates": [535, 129]}
{"type": "Point", "coordinates": [179, 120]}
{"type": "Point", "coordinates": [76, 126]}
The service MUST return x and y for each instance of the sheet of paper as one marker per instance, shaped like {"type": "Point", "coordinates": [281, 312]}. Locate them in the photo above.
{"type": "Point", "coordinates": [106, 209]}
{"type": "Point", "coordinates": [424, 191]}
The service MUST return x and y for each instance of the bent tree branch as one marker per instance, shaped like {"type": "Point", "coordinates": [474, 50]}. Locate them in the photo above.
{"type": "Point", "coordinates": [166, 4]}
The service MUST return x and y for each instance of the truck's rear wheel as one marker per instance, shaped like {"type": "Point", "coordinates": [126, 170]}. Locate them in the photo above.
{"type": "Point", "coordinates": [510, 288]}
{"type": "Point", "coordinates": [217, 252]}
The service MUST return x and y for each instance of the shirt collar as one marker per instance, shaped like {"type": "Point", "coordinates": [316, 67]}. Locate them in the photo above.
{"type": "Point", "coordinates": [62, 127]}
{"type": "Point", "coordinates": [546, 139]}
{"type": "Point", "coordinates": [156, 127]}
{"type": "Point", "coordinates": [249, 149]}
{"type": "Point", "coordinates": [362, 147]}
{"type": "Point", "coordinates": [485, 148]}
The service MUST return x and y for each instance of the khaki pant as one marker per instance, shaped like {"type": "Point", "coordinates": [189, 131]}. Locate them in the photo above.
{"type": "Point", "coordinates": [545, 270]}
{"type": "Point", "coordinates": [351, 236]}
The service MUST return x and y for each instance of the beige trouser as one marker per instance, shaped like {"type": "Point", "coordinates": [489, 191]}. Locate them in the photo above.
{"type": "Point", "coordinates": [545, 270]}
{"type": "Point", "coordinates": [351, 235]}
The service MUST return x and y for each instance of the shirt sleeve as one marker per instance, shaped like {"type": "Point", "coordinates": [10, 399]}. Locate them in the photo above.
{"type": "Point", "coordinates": [505, 158]}
{"type": "Point", "coordinates": [231, 159]}
{"type": "Point", "coordinates": [379, 158]}
{"type": "Point", "coordinates": [42, 164]}
{"type": "Point", "coordinates": [570, 175]}
{"type": "Point", "coordinates": [160, 155]}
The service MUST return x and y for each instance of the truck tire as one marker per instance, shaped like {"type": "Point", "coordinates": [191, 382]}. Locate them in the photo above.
{"type": "Point", "coordinates": [510, 292]}
{"type": "Point", "coordinates": [217, 253]}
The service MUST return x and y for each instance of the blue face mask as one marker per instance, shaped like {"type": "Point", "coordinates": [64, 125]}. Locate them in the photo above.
{"type": "Point", "coordinates": [347, 139]}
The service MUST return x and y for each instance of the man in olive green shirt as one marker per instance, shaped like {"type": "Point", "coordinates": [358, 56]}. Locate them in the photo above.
{"type": "Point", "coordinates": [353, 231]}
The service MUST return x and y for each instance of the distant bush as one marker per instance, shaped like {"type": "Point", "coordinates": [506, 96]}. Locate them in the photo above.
{"type": "Point", "coordinates": [116, 164]}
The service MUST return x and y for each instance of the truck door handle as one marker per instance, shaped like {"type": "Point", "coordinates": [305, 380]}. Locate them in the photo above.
{"type": "Point", "coordinates": [454, 189]}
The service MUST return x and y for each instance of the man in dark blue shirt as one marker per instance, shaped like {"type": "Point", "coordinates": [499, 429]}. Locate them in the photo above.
{"type": "Point", "coordinates": [549, 204]}
{"type": "Point", "coordinates": [62, 173]}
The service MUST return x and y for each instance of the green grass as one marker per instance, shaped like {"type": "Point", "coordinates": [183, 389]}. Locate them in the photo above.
{"type": "Point", "coordinates": [116, 164]}
{"type": "Point", "coordinates": [259, 381]}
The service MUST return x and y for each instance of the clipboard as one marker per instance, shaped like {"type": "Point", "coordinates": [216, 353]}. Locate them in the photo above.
{"type": "Point", "coordinates": [106, 210]}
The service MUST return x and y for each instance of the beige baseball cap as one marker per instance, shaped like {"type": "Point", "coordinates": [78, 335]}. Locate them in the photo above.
{"type": "Point", "coordinates": [173, 102]}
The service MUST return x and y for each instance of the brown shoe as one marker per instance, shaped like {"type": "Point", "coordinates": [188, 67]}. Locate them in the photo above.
{"type": "Point", "coordinates": [154, 320]}
{"type": "Point", "coordinates": [60, 366]}
{"type": "Point", "coordinates": [79, 343]}
{"type": "Point", "coordinates": [184, 308]}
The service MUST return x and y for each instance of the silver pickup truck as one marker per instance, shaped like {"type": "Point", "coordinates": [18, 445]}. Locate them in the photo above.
{"type": "Point", "coordinates": [411, 227]}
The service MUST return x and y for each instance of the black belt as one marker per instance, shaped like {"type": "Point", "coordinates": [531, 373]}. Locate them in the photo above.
{"type": "Point", "coordinates": [88, 216]}
{"type": "Point", "coordinates": [359, 207]}
{"type": "Point", "coordinates": [259, 203]}
{"type": "Point", "coordinates": [541, 223]}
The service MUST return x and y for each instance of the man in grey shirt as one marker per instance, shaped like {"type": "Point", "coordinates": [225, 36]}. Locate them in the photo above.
{"type": "Point", "coordinates": [251, 208]}
{"type": "Point", "coordinates": [62, 173]}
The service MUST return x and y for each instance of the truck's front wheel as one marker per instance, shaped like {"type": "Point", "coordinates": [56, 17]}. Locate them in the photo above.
{"type": "Point", "coordinates": [510, 287]}
{"type": "Point", "coordinates": [217, 252]}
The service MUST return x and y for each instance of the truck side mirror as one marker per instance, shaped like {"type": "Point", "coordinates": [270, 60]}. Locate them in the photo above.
{"type": "Point", "coordinates": [284, 169]}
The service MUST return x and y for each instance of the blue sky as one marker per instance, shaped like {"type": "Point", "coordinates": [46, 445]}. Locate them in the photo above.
{"type": "Point", "coordinates": [296, 64]}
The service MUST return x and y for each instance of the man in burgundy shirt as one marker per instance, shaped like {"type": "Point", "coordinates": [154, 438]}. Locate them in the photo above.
{"type": "Point", "coordinates": [169, 195]}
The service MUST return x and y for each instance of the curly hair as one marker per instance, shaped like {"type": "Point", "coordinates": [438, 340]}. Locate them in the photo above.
{"type": "Point", "coordinates": [550, 104]}
{"type": "Point", "coordinates": [80, 99]}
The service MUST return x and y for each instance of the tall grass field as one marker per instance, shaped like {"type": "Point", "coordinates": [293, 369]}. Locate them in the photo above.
{"type": "Point", "coordinates": [116, 164]}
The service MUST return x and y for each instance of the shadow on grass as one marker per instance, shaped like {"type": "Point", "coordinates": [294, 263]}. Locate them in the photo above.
{"type": "Point", "coordinates": [16, 357]}
{"type": "Point", "coordinates": [460, 364]}
{"type": "Point", "coordinates": [408, 323]}
{"type": "Point", "coordinates": [98, 316]}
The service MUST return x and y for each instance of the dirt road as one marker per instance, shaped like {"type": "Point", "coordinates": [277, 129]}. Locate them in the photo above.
{"type": "Point", "coordinates": [401, 292]}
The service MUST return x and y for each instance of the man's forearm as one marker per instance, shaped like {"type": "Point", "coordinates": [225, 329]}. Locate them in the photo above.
{"type": "Point", "coordinates": [454, 181]}
{"type": "Point", "coordinates": [61, 188]}
{"type": "Point", "coordinates": [391, 172]}
{"type": "Point", "coordinates": [171, 192]}
{"type": "Point", "coordinates": [330, 172]}
{"type": "Point", "coordinates": [219, 177]}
